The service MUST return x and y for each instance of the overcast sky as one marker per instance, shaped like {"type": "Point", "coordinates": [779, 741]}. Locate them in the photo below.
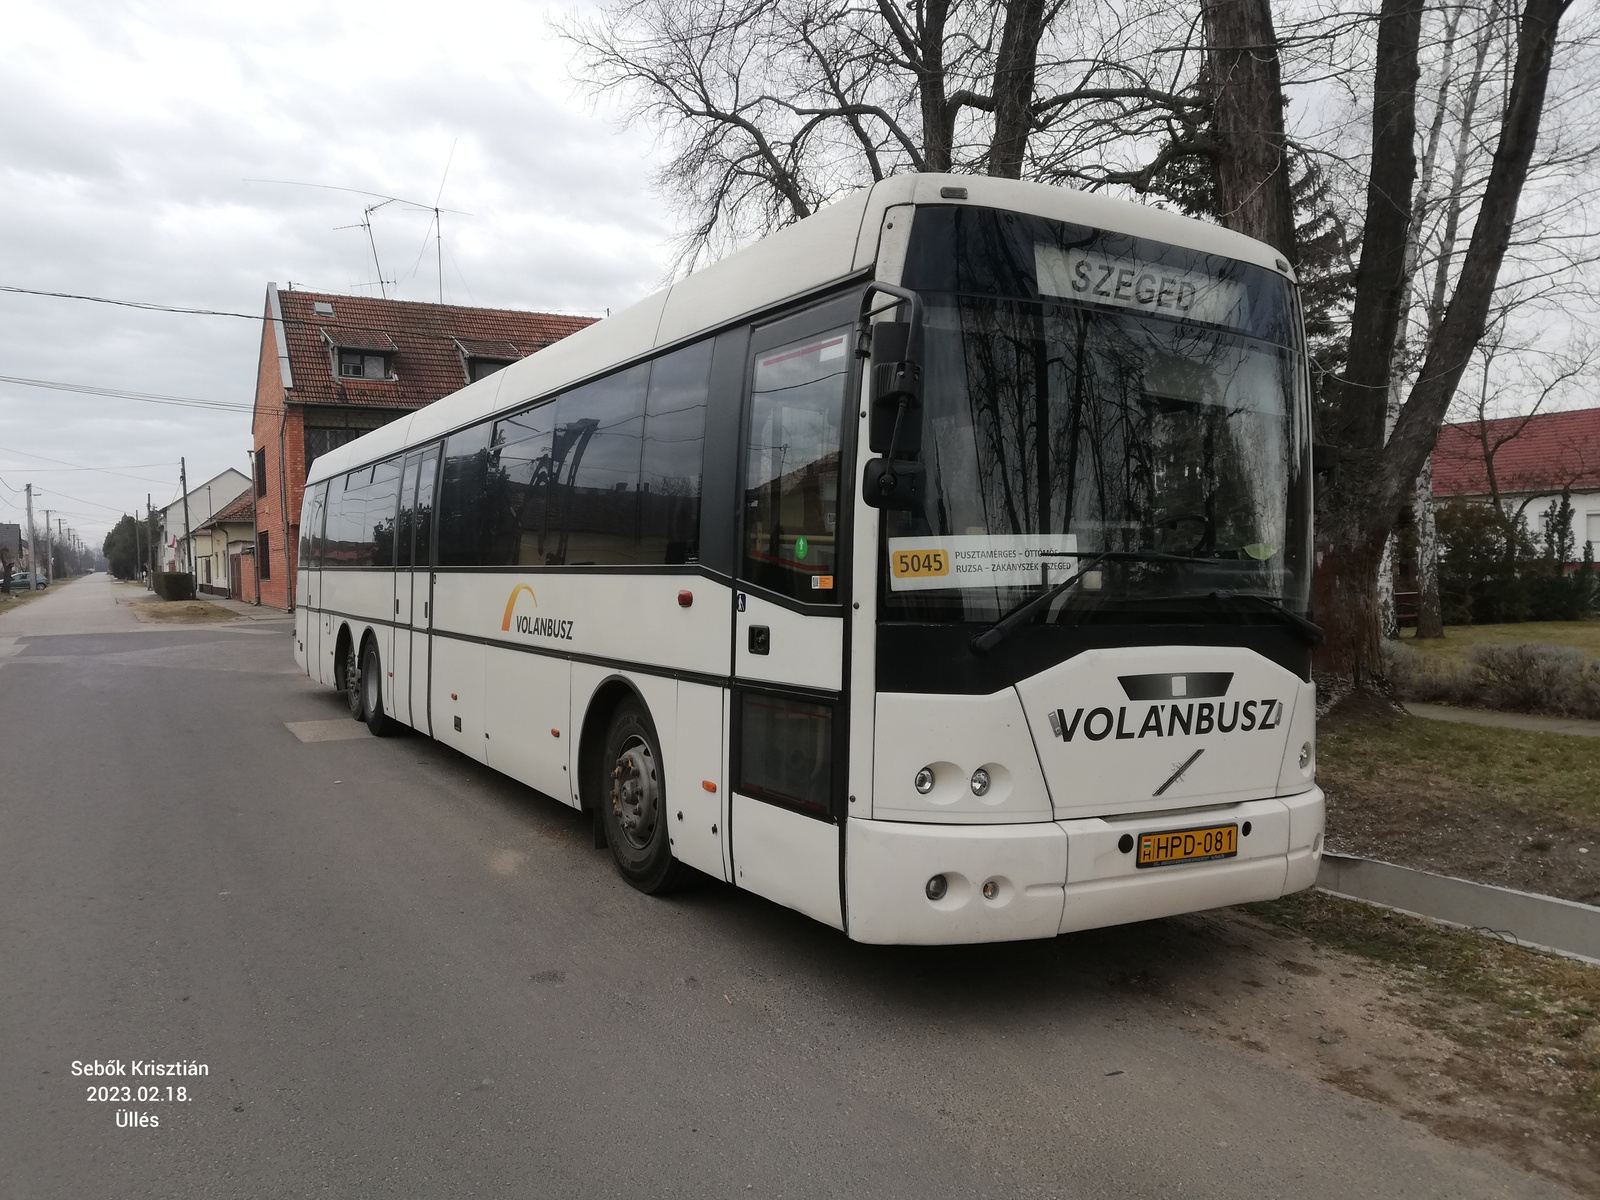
{"type": "Point", "coordinates": [127, 132]}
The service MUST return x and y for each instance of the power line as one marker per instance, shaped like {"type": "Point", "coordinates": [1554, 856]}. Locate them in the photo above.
{"type": "Point", "coordinates": [152, 306]}
{"type": "Point", "coordinates": [123, 394]}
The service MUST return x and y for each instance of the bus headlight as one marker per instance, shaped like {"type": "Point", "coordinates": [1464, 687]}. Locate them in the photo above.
{"type": "Point", "coordinates": [937, 887]}
{"type": "Point", "coordinates": [924, 784]}
{"type": "Point", "coordinates": [1305, 756]}
{"type": "Point", "coordinates": [980, 782]}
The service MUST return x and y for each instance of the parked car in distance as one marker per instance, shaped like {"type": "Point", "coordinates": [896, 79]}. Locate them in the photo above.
{"type": "Point", "coordinates": [19, 581]}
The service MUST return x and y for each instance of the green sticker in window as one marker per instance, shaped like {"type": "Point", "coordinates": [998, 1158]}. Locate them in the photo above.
{"type": "Point", "coordinates": [800, 547]}
{"type": "Point", "coordinates": [1260, 551]}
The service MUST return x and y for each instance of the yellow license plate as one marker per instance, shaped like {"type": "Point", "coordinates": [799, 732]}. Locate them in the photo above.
{"type": "Point", "coordinates": [1188, 845]}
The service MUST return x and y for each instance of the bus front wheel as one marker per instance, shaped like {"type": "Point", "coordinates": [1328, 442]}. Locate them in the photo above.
{"type": "Point", "coordinates": [632, 797]}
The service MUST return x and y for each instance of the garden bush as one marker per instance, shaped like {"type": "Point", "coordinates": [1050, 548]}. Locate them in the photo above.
{"type": "Point", "coordinates": [1532, 677]}
{"type": "Point", "coordinates": [173, 585]}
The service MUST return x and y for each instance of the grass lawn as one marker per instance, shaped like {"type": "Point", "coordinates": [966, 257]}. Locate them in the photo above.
{"type": "Point", "coordinates": [1585, 635]}
{"type": "Point", "coordinates": [1503, 806]}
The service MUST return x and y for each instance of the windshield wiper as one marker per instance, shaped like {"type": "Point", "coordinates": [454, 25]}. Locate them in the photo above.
{"type": "Point", "coordinates": [1256, 602]}
{"type": "Point", "coordinates": [1001, 629]}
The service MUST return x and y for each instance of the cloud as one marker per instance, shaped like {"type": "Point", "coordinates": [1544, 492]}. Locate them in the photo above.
{"type": "Point", "coordinates": [127, 132]}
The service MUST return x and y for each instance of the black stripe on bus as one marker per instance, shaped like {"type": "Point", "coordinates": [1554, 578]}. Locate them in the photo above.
{"type": "Point", "coordinates": [595, 660]}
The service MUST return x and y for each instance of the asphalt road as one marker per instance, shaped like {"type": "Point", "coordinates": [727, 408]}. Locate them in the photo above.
{"type": "Point", "coordinates": [409, 977]}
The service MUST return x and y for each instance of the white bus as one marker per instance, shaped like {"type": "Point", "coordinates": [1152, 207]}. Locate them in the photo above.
{"type": "Point", "coordinates": [938, 567]}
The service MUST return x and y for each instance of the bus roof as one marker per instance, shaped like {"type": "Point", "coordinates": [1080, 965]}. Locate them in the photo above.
{"type": "Point", "coordinates": [829, 246]}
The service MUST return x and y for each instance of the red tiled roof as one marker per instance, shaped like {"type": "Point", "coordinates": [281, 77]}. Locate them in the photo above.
{"type": "Point", "coordinates": [1549, 452]}
{"type": "Point", "coordinates": [427, 360]}
{"type": "Point", "coordinates": [243, 508]}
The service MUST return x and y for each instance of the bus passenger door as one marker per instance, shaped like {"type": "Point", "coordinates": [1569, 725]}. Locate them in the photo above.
{"type": "Point", "coordinates": [399, 656]}
{"type": "Point", "coordinates": [789, 716]}
{"type": "Point", "coordinates": [309, 617]}
{"type": "Point", "coordinates": [419, 604]}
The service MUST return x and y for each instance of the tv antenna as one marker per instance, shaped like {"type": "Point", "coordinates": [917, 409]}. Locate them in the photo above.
{"type": "Point", "coordinates": [366, 221]}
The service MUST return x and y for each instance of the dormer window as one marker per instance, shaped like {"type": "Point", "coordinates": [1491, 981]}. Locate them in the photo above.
{"type": "Point", "coordinates": [478, 368]}
{"type": "Point", "coordinates": [362, 364]}
{"type": "Point", "coordinates": [361, 353]}
{"type": "Point", "coordinates": [321, 308]}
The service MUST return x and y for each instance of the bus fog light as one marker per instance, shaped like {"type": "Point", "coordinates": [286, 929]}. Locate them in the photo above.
{"type": "Point", "coordinates": [937, 887]}
{"type": "Point", "coordinates": [980, 782]}
{"type": "Point", "coordinates": [924, 784]}
{"type": "Point", "coordinates": [991, 890]}
{"type": "Point", "coordinates": [1305, 756]}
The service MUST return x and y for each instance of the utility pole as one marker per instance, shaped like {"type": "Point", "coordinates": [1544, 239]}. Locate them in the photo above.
{"type": "Point", "coordinates": [49, 550]}
{"type": "Point", "coordinates": [60, 538]}
{"type": "Point", "coordinates": [188, 546]}
{"type": "Point", "coordinates": [33, 550]}
{"type": "Point", "coordinates": [150, 540]}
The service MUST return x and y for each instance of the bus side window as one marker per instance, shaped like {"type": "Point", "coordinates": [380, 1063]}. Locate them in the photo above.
{"type": "Point", "coordinates": [382, 503]}
{"type": "Point", "coordinates": [463, 497]}
{"type": "Point", "coordinates": [520, 509]}
{"type": "Point", "coordinates": [597, 444]}
{"type": "Point", "coordinates": [674, 445]}
{"type": "Point", "coordinates": [408, 498]}
{"type": "Point", "coordinates": [791, 480]}
{"type": "Point", "coordinates": [422, 519]}
{"type": "Point", "coordinates": [311, 526]}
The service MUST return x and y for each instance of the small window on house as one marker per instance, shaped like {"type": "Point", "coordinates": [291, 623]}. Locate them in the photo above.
{"type": "Point", "coordinates": [479, 368]}
{"type": "Point", "coordinates": [358, 364]}
{"type": "Point", "coordinates": [321, 308]}
{"type": "Point", "coordinates": [263, 557]}
{"type": "Point", "coordinates": [261, 471]}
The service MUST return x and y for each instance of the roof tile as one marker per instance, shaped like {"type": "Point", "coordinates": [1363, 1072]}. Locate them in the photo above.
{"type": "Point", "coordinates": [427, 359]}
{"type": "Point", "coordinates": [1543, 453]}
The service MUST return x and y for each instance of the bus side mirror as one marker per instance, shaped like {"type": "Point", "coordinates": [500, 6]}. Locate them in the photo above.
{"type": "Point", "coordinates": [896, 485]}
{"type": "Point", "coordinates": [896, 392]}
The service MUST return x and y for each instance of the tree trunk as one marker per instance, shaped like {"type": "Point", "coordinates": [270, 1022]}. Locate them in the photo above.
{"type": "Point", "coordinates": [1464, 319]}
{"type": "Point", "coordinates": [1350, 543]}
{"type": "Point", "coordinates": [1430, 614]}
{"type": "Point", "coordinates": [1252, 167]}
{"type": "Point", "coordinates": [1014, 70]}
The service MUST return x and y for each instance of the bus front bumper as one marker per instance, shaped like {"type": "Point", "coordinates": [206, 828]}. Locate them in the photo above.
{"type": "Point", "coordinates": [1056, 877]}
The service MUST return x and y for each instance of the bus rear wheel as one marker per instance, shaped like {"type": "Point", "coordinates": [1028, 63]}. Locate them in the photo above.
{"type": "Point", "coordinates": [632, 797]}
{"type": "Point", "coordinates": [350, 680]}
{"type": "Point", "coordinates": [372, 693]}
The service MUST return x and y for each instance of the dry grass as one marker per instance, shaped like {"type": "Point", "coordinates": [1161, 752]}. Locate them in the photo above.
{"type": "Point", "coordinates": [1525, 1025]}
{"type": "Point", "coordinates": [16, 600]}
{"type": "Point", "coordinates": [181, 612]}
{"type": "Point", "coordinates": [1585, 635]}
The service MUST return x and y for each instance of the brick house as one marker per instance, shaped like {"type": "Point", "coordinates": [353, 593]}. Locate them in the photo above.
{"type": "Point", "coordinates": [1534, 460]}
{"type": "Point", "coordinates": [334, 367]}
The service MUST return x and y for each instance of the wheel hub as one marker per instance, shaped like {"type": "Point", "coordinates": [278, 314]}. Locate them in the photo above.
{"type": "Point", "coordinates": [636, 793]}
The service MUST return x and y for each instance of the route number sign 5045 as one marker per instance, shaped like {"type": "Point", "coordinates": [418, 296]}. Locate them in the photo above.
{"type": "Point", "coordinates": [919, 564]}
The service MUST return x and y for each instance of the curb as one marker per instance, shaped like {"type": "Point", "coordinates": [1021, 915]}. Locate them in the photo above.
{"type": "Point", "coordinates": [1562, 927]}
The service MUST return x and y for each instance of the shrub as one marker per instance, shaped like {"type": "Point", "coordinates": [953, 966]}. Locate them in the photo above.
{"type": "Point", "coordinates": [173, 585]}
{"type": "Point", "coordinates": [1556, 680]}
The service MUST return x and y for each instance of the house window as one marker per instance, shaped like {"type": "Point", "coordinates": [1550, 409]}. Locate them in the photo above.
{"type": "Point", "coordinates": [358, 364]}
{"type": "Point", "coordinates": [479, 368]}
{"type": "Point", "coordinates": [261, 471]}
{"type": "Point", "coordinates": [1591, 531]}
{"type": "Point", "coordinates": [263, 557]}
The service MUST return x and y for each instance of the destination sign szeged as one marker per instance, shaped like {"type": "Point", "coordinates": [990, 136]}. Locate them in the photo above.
{"type": "Point", "coordinates": [1124, 282]}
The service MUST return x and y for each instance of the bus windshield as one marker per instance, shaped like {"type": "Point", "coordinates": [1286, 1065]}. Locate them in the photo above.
{"type": "Point", "coordinates": [1089, 392]}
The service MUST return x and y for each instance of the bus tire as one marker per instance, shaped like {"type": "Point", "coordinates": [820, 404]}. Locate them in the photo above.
{"type": "Point", "coordinates": [632, 799]}
{"type": "Point", "coordinates": [350, 678]}
{"type": "Point", "coordinates": [372, 693]}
